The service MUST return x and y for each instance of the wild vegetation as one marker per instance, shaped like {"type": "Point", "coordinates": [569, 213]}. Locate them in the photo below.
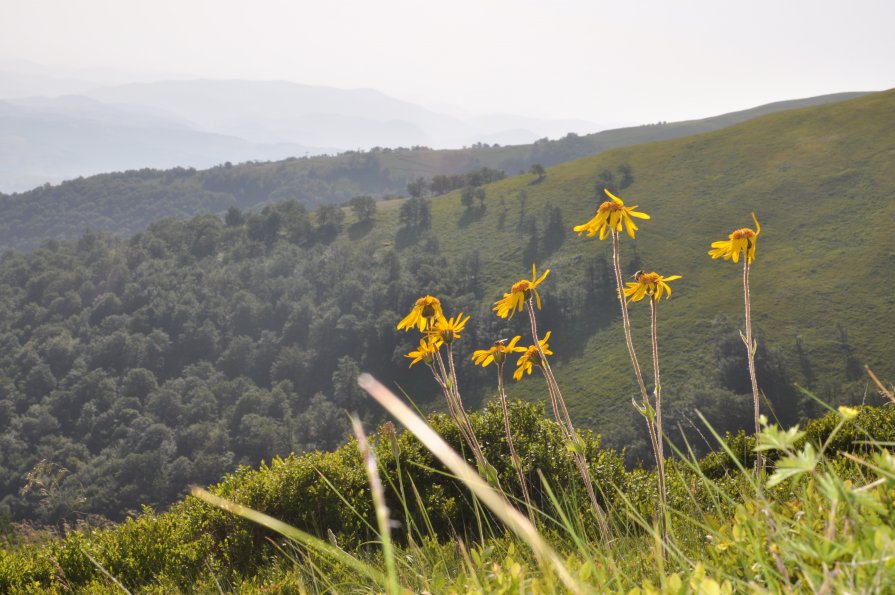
{"type": "Point", "coordinates": [777, 508]}
{"type": "Point", "coordinates": [200, 345]}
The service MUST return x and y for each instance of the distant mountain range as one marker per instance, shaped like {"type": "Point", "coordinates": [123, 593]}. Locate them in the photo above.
{"type": "Point", "coordinates": [47, 135]}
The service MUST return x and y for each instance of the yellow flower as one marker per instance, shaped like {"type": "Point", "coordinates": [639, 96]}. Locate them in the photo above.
{"type": "Point", "coordinates": [520, 293]}
{"type": "Point", "coordinates": [446, 330]}
{"type": "Point", "coordinates": [848, 412]}
{"type": "Point", "coordinates": [742, 240]}
{"type": "Point", "coordinates": [652, 284]}
{"type": "Point", "coordinates": [531, 357]}
{"type": "Point", "coordinates": [425, 309]}
{"type": "Point", "coordinates": [425, 353]}
{"type": "Point", "coordinates": [497, 353]}
{"type": "Point", "coordinates": [610, 216]}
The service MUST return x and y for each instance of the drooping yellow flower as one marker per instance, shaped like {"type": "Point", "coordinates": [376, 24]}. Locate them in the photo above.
{"type": "Point", "coordinates": [425, 353]}
{"type": "Point", "coordinates": [742, 240]}
{"type": "Point", "coordinates": [520, 293]}
{"type": "Point", "coordinates": [531, 357]}
{"type": "Point", "coordinates": [652, 284]}
{"type": "Point", "coordinates": [610, 216]}
{"type": "Point", "coordinates": [426, 308]}
{"type": "Point", "coordinates": [497, 352]}
{"type": "Point", "coordinates": [446, 330]}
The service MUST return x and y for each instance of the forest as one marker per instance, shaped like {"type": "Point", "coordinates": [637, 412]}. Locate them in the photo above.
{"type": "Point", "coordinates": [132, 369]}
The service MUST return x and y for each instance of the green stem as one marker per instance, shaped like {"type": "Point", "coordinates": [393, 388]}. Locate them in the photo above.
{"type": "Point", "coordinates": [750, 351]}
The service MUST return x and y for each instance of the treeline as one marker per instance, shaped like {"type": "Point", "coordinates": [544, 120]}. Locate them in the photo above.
{"type": "Point", "coordinates": [442, 184]}
{"type": "Point", "coordinates": [126, 203]}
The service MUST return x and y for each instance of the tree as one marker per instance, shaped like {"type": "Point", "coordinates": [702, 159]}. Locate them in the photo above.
{"type": "Point", "coordinates": [329, 221]}
{"type": "Point", "coordinates": [417, 188]}
{"type": "Point", "coordinates": [363, 207]}
{"type": "Point", "coordinates": [234, 217]}
{"type": "Point", "coordinates": [627, 173]}
{"type": "Point", "coordinates": [480, 195]}
{"type": "Point", "coordinates": [467, 197]}
{"type": "Point", "coordinates": [538, 170]}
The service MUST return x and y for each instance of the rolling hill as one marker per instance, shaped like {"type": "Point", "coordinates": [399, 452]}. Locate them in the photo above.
{"type": "Point", "coordinates": [124, 203]}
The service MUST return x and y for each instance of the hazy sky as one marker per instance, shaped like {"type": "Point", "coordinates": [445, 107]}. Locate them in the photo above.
{"type": "Point", "coordinates": [625, 61]}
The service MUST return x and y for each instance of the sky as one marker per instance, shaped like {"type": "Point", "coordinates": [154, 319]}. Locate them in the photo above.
{"type": "Point", "coordinates": [620, 62]}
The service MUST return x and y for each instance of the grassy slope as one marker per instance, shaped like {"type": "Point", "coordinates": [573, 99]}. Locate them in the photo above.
{"type": "Point", "coordinates": [820, 181]}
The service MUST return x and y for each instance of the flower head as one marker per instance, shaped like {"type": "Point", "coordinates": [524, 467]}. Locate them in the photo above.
{"type": "Point", "coordinates": [610, 216]}
{"type": "Point", "coordinates": [742, 240]}
{"type": "Point", "coordinates": [652, 284]}
{"type": "Point", "coordinates": [425, 353]}
{"type": "Point", "coordinates": [531, 357]}
{"type": "Point", "coordinates": [426, 308]}
{"type": "Point", "coordinates": [445, 330]}
{"type": "Point", "coordinates": [520, 293]}
{"type": "Point", "coordinates": [497, 352]}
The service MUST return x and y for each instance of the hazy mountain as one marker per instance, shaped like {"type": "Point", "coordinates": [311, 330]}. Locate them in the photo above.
{"type": "Point", "coordinates": [277, 111]}
{"type": "Point", "coordinates": [52, 139]}
{"type": "Point", "coordinates": [24, 84]}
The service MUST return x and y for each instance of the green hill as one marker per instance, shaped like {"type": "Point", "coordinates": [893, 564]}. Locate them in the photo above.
{"type": "Point", "coordinates": [820, 181]}
{"type": "Point", "coordinates": [125, 203]}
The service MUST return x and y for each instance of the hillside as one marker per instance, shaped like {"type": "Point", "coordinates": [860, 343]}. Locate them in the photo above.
{"type": "Point", "coordinates": [125, 203]}
{"type": "Point", "coordinates": [820, 181]}
{"type": "Point", "coordinates": [251, 330]}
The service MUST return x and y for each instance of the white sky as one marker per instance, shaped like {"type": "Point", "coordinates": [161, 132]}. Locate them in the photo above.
{"type": "Point", "coordinates": [625, 61]}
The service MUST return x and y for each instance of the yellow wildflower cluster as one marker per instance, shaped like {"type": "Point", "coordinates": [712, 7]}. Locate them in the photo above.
{"type": "Point", "coordinates": [429, 318]}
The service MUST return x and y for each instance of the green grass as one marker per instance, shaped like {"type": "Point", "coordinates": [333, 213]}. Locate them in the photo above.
{"type": "Point", "coordinates": [819, 517]}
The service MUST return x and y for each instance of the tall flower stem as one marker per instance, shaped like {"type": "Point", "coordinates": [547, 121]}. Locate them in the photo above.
{"type": "Point", "coordinates": [517, 462]}
{"type": "Point", "coordinates": [626, 320]}
{"type": "Point", "coordinates": [447, 382]}
{"type": "Point", "coordinates": [750, 350]}
{"type": "Point", "coordinates": [561, 413]}
{"type": "Point", "coordinates": [659, 440]}
{"type": "Point", "coordinates": [655, 437]}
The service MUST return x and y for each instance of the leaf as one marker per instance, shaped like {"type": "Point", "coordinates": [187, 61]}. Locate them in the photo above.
{"type": "Point", "coordinates": [790, 466]}
{"type": "Point", "coordinates": [773, 438]}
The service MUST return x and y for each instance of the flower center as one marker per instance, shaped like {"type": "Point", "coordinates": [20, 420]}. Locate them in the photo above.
{"type": "Point", "coordinates": [742, 234]}
{"type": "Point", "coordinates": [648, 278]}
{"type": "Point", "coordinates": [521, 286]}
{"type": "Point", "coordinates": [610, 205]}
{"type": "Point", "coordinates": [427, 306]}
{"type": "Point", "coordinates": [533, 356]}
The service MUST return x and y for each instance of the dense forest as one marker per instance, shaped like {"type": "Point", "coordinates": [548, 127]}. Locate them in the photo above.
{"type": "Point", "coordinates": [132, 369]}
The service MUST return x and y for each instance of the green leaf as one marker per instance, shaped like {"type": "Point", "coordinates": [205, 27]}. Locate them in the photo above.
{"type": "Point", "coordinates": [791, 466]}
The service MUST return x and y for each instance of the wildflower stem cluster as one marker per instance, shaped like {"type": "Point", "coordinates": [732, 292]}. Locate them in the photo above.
{"type": "Point", "coordinates": [564, 420]}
